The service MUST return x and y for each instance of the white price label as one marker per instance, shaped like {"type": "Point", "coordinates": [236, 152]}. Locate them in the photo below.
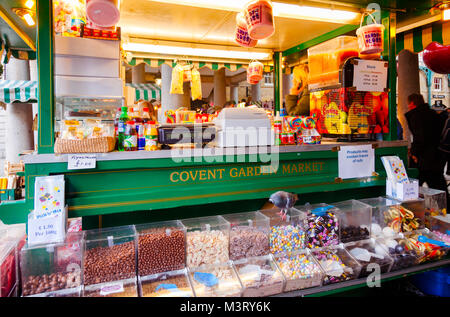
{"type": "Point", "coordinates": [81, 161]}
{"type": "Point", "coordinates": [356, 161]}
{"type": "Point", "coordinates": [370, 76]}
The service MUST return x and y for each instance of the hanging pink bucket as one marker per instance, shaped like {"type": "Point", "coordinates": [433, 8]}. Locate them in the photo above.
{"type": "Point", "coordinates": [259, 17]}
{"type": "Point", "coordinates": [103, 13]}
{"type": "Point", "coordinates": [255, 72]}
{"type": "Point", "coordinates": [242, 37]}
{"type": "Point", "coordinates": [370, 37]}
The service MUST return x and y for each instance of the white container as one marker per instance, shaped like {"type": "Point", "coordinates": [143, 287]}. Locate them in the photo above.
{"type": "Point", "coordinates": [403, 191]}
{"type": "Point", "coordinates": [78, 46]}
{"type": "Point", "coordinates": [86, 66]}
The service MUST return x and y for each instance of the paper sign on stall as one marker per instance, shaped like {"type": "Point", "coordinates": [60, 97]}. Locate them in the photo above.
{"type": "Point", "coordinates": [49, 198]}
{"type": "Point", "coordinates": [51, 229]}
{"type": "Point", "coordinates": [370, 76]}
{"type": "Point", "coordinates": [81, 161]}
{"type": "Point", "coordinates": [356, 161]}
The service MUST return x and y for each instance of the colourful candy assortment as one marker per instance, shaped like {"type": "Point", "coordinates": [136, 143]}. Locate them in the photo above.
{"type": "Point", "coordinates": [337, 265]}
{"type": "Point", "coordinates": [322, 230]}
{"type": "Point", "coordinates": [442, 236]}
{"type": "Point", "coordinates": [300, 271]}
{"type": "Point", "coordinates": [401, 219]}
{"type": "Point", "coordinates": [286, 238]}
{"type": "Point", "coordinates": [426, 251]}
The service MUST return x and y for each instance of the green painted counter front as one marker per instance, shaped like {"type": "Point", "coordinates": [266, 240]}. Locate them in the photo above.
{"type": "Point", "coordinates": [161, 184]}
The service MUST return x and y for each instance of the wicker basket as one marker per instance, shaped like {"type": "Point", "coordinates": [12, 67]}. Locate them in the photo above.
{"type": "Point", "coordinates": [94, 145]}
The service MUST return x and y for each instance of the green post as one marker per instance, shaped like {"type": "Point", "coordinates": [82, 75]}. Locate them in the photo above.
{"type": "Point", "coordinates": [389, 20]}
{"type": "Point", "coordinates": [46, 100]}
{"type": "Point", "coordinates": [277, 73]}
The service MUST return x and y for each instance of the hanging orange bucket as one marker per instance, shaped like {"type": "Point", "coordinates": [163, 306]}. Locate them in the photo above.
{"type": "Point", "coordinates": [370, 37]}
{"type": "Point", "coordinates": [242, 37]}
{"type": "Point", "coordinates": [255, 72]}
{"type": "Point", "coordinates": [259, 18]}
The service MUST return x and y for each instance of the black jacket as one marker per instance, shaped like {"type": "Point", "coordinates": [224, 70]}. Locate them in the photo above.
{"type": "Point", "coordinates": [426, 127]}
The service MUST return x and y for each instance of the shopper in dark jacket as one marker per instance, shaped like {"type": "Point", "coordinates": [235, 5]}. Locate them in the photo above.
{"type": "Point", "coordinates": [426, 127]}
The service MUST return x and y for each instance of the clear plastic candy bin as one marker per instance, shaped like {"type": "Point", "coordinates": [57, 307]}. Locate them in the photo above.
{"type": "Point", "coordinates": [12, 239]}
{"type": "Point", "coordinates": [161, 247]}
{"type": "Point", "coordinates": [249, 235]}
{"type": "Point", "coordinates": [402, 256]}
{"type": "Point", "coordinates": [380, 206]}
{"type": "Point", "coordinates": [326, 59]}
{"type": "Point", "coordinates": [368, 252]}
{"type": "Point", "coordinates": [109, 255]}
{"type": "Point", "coordinates": [440, 226]}
{"type": "Point", "coordinates": [123, 288]}
{"type": "Point", "coordinates": [53, 270]}
{"type": "Point", "coordinates": [168, 284]}
{"type": "Point", "coordinates": [300, 270]}
{"type": "Point", "coordinates": [216, 280]}
{"type": "Point", "coordinates": [435, 202]}
{"type": "Point", "coordinates": [207, 240]}
{"type": "Point", "coordinates": [259, 276]}
{"type": "Point", "coordinates": [286, 235]}
{"type": "Point", "coordinates": [354, 220]}
{"type": "Point", "coordinates": [337, 264]}
{"type": "Point", "coordinates": [322, 225]}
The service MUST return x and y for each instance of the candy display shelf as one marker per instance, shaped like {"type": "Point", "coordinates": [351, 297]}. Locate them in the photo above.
{"type": "Point", "coordinates": [337, 288]}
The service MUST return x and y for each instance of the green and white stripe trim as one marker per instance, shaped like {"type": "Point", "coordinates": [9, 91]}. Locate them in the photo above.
{"type": "Point", "coordinates": [146, 91]}
{"type": "Point", "coordinates": [213, 66]}
{"type": "Point", "coordinates": [18, 91]}
{"type": "Point", "coordinates": [418, 39]}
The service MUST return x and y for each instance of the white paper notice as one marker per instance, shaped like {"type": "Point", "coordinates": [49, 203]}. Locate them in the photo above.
{"type": "Point", "coordinates": [370, 76]}
{"type": "Point", "coordinates": [356, 161]}
{"type": "Point", "coordinates": [81, 161]}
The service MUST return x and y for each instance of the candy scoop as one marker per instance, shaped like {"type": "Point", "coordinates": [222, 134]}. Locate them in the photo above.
{"type": "Point", "coordinates": [425, 239]}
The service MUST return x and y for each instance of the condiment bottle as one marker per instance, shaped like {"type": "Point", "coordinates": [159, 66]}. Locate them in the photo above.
{"type": "Point", "coordinates": [151, 137]}
{"type": "Point", "coordinates": [142, 132]}
{"type": "Point", "coordinates": [121, 128]}
{"type": "Point", "coordinates": [130, 141]}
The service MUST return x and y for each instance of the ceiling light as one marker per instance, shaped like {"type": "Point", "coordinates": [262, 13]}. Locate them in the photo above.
{"type": "Point", "coordinates": [190, 51]}
{"type": "Point", "coordinates": [446, 13]}
{"type": "Point", "coordinates": [29, 4]}
{"type": "Point", "coordinates": [25, 14]}
{"type": "Point", "coordinates": [284, 10]}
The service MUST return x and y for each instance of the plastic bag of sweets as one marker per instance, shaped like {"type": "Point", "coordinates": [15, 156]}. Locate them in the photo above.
{"type": "Point", "coordinates": [72, 130]}
{"type": "Point", "coordinates": [176, 86]}
{"type": "Point", "coordinates": [196, 85]}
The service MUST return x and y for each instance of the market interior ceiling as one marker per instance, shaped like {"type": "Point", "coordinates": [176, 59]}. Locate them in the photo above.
{"type": "Point", "coordinates": [152, 19]}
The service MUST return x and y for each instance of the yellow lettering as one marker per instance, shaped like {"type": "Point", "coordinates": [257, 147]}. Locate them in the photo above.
{"type": "Point", "coordinates": [286, 169]}
{"type": "Point", "coordinates": [172, 179]}
{"type": "Point", "coordinates": [242, 172]}
{"type": "Point", "coordinates": [315, 167]}
{"type": "Point", "coordinates": [221, 170]}
{"type": "Point", "coordinates": [211, 175]}
{"type": "Point", "coordinates": [187, 176]}
{"type": "Point", "coordinates": [233, 172]}
{"type": "Point", "coordinates": [308, 167]}
{"type": "Point", "coordinates": [249, 171]}
{"type": "Point", "coordinates": [202, 175]}
{"type": "Point", "coordinates": [300, 167]}
{"type": "Point", "coordinates": [294, 169]}
{"type": "Point", "coordinates": [193, 176]}
{"type": "Point", "coordinates": [321, 166]}
{"type": "Point", "coordinates": [257, 170]}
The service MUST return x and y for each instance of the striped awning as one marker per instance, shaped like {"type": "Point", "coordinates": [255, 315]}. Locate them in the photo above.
{"type": "Point", "coordinates": [213, 66]}
{"type": "Point", "coordinates": [18, 91]}
{"type": "Point", "coordinates": [417, 40]}
{"type": "Point", "coordinates": [146, 91]}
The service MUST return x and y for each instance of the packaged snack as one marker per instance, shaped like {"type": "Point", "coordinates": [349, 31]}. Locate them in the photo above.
{"type": "Point", "coordinates": [176, 86]}
{"type": "Point", "coordinates": [196, 85]}
{"type": "Point", "coordinates": [72, 130]}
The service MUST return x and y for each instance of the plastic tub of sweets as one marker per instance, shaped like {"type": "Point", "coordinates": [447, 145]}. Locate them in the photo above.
{"type": "Point", "coordinates": [161, 247]}
{"type": "Point", "coordinates": [337, 264]}
{"type": "Point", "coordinates": [368, 252]}
{"type": "Point", "coordinates": [402, 256]}
{"type": "Point", "coordinates": [167, 284]}
{"type": "Point", "coordinates": [427, 251]}
{"type": "Point", "coordinates": [300, 270]}
{"type": "Point", "coordinates": [249, 235]}
{"type": "Point", "coordinates": [260, 276]}
{"type": "Point", "coordinates": [123, 288]}
{"type": "Point", "coordinates": [380, 205]}
{"type": "Point", "coordinates": [354, 220]}
{"type": "Point", "coordinates": [242, 37]}
{"type": "Point", "coordinates": [259, 17]}
{"type": "Point", "coordinates": [216, 280]}
{"type": "Point", "coordinates": [207, 240]}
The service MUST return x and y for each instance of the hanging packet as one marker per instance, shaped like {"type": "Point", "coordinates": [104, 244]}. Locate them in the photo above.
{"type": "Point", "coordinates": [196, 85]}
{"type": "Point", "coordinates": [176, 86]}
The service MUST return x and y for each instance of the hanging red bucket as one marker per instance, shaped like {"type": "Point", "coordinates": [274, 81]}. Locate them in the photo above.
{"type": "Point", "coordinates": [259, 18]}
{"type": "Point", "coordinates": [370, 37]}
{"type": "Point", "coordinates": [255, 72]}
{"type": "Point", "coordinates": [103, 13]}
{"type": "Point", "coordinates": [242, 37]}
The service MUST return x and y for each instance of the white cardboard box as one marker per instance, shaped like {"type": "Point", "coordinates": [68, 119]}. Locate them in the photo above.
{"type": "Point", "coordinates": [403, 191]}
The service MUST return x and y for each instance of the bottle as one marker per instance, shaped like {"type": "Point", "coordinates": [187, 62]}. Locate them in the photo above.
{"type": "Point", "coordinates": [278, 128]}
{"type": "Point", "coordinates": [151, 137]}
{"type": "Point", "coordinates": [123, 118]}
{"type": "Point", "coordinates": [140, 129]}
{"type": "Point", "coordinates": [130, 141]}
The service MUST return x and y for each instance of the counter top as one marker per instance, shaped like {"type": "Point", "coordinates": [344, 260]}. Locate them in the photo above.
{"type": "Point", "coordinates": [188, 152]}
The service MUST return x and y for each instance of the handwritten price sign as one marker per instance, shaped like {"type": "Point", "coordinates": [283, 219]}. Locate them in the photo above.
{"type": "Point", "coordinates": [81, 161]}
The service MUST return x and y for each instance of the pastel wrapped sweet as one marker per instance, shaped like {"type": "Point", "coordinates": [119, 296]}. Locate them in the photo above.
{"type": "Point", "coordinates": [171, 116]}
